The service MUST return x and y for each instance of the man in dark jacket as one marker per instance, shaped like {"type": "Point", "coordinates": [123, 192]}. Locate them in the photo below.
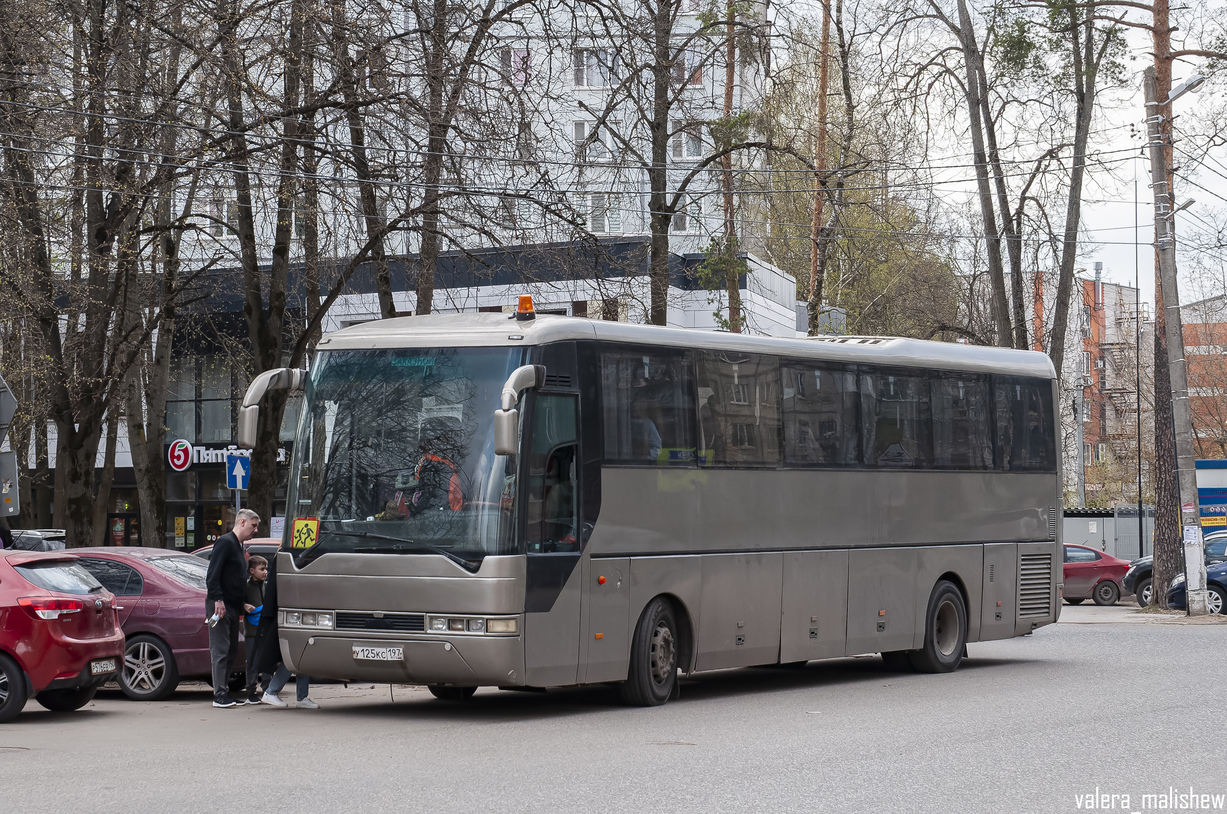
{"type": "Point", "coordinates": [226, 582]}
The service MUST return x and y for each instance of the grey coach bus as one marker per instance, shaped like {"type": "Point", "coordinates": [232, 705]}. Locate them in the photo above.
{"type": "Point", "coordinates": [479, 500]}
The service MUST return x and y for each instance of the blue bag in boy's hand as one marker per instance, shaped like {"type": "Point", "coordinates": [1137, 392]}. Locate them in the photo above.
{"type": "Point", "coordinates": [253, 617]}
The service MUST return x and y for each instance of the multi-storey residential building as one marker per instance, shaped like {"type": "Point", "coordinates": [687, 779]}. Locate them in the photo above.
{"type": "Point", "coordinates": [1111, 365]}
{"type": "Point", "coordinates": [1205, 343]}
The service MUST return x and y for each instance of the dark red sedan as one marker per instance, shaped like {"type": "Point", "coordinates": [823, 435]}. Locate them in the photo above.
{"type": "Point", "coordinates": [1091, 574]}
{"type": "Point", "coordinates": [59, 636]}
{"type": "Point", "coordinates": [161, 596]}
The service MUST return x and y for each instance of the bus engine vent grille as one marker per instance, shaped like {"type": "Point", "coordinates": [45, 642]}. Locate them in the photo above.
{"type": "Point", "coordinates": [1035, 585]}
{"type": "Point", "coordinates": [399, 622]}
{"type": "Point", "coordinates": [1053, 513]}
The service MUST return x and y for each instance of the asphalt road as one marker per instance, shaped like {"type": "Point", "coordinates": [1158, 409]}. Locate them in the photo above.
{"type": "Point", "coordinates": [1105, 699]}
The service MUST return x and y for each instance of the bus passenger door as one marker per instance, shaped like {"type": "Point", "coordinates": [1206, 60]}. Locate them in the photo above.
{"type": "Point", "coordinates": [552, 536]}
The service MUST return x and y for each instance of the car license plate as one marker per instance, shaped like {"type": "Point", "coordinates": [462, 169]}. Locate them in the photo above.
{"type": "Point", "coordinates": [101, 666]}
{"type": "Point", "coordinates": [379, 653]}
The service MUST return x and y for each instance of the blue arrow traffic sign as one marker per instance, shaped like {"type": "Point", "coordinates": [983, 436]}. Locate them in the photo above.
{"type": "Point", "coordinates": [238, 471]}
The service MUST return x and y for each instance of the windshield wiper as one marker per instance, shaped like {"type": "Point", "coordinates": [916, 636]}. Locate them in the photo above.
{"type": "Point", "coordinates": [408, 547]}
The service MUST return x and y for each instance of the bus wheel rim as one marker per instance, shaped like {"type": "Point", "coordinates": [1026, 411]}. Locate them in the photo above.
{"type": "Point", "coordinates": [663, 653]}
{"type": "Point", "coordinates": [946, 628]}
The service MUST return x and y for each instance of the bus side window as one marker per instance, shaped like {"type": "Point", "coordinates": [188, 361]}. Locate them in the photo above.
{"type": "Point", "coordinates": [961, 437]}
{"type": "Point", "coordinates": [898, 426]}
{"type": "Point", "coordinates": [821, 416]}
{"type": "Point", "coordinates": [739, 408]}
{"type": "Point", "coordinates": [647, 407]}
{"type": "Point", "coordinates": [1025, 436]}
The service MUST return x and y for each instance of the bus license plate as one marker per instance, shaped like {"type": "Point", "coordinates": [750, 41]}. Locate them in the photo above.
{"type": "Point", "coordinates": [379, 653]}
{"type": "Point", "coordinates": [101, 666]}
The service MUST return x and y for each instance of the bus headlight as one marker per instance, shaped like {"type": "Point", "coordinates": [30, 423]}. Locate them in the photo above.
{"type": "Point", "coordinates": [472, 625]}
{"type": "Point", "coordinates": [501, 625]}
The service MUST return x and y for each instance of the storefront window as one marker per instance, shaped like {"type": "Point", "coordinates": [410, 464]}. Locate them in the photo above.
{"type": "Point", "coordinates": [181, 486]}
{"type": "Point", "coordinates": [213, 486]}
{"type": "Point", "coordinates": [215, 422]}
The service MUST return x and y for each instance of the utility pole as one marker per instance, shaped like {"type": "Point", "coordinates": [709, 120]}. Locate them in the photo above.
{"type": "Point", "coordinates": [1165, 238]}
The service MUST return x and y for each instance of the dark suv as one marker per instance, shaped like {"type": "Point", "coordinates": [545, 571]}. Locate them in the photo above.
{"type": "Point", "coordinates": [1137, 578]}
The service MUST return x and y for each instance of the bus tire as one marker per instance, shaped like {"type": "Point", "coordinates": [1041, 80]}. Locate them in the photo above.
{"type": "Point", "coordinates": [945, 631]}
{"type": "Point", "coordinates": [451, 693]}
{"type": "Point", "coordinates": [652, 673]}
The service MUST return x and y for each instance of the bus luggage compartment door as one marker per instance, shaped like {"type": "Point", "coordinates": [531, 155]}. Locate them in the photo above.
{"type": "Point", "coordinates": [607, 624]}
{"type": "Point", "coordinates": [739, 620]}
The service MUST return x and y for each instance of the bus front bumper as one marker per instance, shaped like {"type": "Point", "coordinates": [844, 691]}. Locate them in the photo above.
{"type": "Point", "coordinates": [467, 661]}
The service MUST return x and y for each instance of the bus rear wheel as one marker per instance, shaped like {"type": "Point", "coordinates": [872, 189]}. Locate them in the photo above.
{"type": "Point", "coordinates": [652, 673]}
{"type": "Point", "coordinates": [945, 631]}
{"type": "Point", "coordinates": [451, 693]}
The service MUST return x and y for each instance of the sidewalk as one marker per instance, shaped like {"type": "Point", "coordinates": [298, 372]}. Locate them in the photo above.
{"type": "Point", "coordinates": [1126, 612]}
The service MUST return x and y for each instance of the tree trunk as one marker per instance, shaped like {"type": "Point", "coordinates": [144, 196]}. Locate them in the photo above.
{"type": "Point", "coordinates": [732, 282]}
{"type": "Point", "coordinates": [974, 91]}
{"type": "Point", "coordinates": [817, 265]}
{"type": "Point", "coordinates": [106, 479]}
{"type": "Point", "coordinates": [660, 216]}
{"type": "Point", "coordinates": [372, 218]}
{"type": "Point", "coordinates": [1168, 546]}
{"type": "Point", "coordinates": [1086, 69]}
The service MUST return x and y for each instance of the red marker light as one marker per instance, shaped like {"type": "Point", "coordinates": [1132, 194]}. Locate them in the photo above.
{"type": "Point", "coordinates": [600, 580]}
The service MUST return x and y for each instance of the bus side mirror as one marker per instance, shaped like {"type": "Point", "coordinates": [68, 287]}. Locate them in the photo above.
{"type": "Point", "coordinates": [507, 419]}
{"type": "Point", "coordinates": [506, 432]}
{"type": "Point", "coordinates": [282, 378]}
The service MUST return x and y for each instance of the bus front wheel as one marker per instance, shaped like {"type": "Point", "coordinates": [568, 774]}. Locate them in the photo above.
{"type": "Point", "coordinates": [652, 673]}
{"type": "Point", "coordinates": [945, 631]}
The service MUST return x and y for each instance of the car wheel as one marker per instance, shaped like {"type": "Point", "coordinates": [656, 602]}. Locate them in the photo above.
{"type": "Point", "coordinates": [1144, 592]}
{"type": "Point", "coordinates": [1216, 598]}
{"type": "Point", "coordinates": [12, 689]}
{"type": "Point", "coordinates": [451, 693]}
{"type": "Point", "coordinates": [945, 631]}
{"type": "Point", "coordinates": [149, 672]}
{"type": "Point", "coordinates": [652, 674]}
{"type": "Point", "coordinates": [1075, 601]}
{"type": "Point", "coordinates": [66, 700]}
{"type": "Point", "coordinates": [1106, 593]}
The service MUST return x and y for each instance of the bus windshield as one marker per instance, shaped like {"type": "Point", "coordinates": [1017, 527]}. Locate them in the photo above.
{"type": "Point", "coordinates": [395, 454]}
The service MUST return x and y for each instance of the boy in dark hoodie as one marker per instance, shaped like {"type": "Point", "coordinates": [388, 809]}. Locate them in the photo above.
{"type": "Point", "coordinates": [257, 573]}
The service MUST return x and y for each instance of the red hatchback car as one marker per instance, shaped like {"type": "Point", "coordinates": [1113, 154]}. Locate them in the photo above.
{"type": "Point", "coordinates": [1091, 574]}
{"type": "Point", "coordinates": [59, 636]}
{"type": "Point", "coordinates": [161, 603]}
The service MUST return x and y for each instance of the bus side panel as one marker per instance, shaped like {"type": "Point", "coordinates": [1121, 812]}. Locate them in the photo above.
{"type": "Point", "coordinates": [881, 600]}
{"type": "Point", "coordinates": [814, 619]}
{"type": "Point", "coordinates": [681, 577]}
{"type": "Point", "coordinates": [999, 609]}
{"type": "Point", "coordinates": [967, 562]}
{"type": "Point", "coordinates": [740, 610]}
{"type": "Point", "coordinates": [607, 616]}
{"type": "Point", "coordinates": [551, 639]}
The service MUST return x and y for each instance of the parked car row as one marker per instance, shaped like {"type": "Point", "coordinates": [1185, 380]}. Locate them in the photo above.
{"type": "Point", "coordinates": [71, 621]}
{"type": "Point", "coordinates": [60, 636]}
{"type": "Point", "coordinates": [1139, 577]}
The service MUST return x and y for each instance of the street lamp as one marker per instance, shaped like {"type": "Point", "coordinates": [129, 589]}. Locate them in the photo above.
{"type": "Point", "coordinates": [1191, 84]}
{"type": "Point", "coordinates": [1182, 422]}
